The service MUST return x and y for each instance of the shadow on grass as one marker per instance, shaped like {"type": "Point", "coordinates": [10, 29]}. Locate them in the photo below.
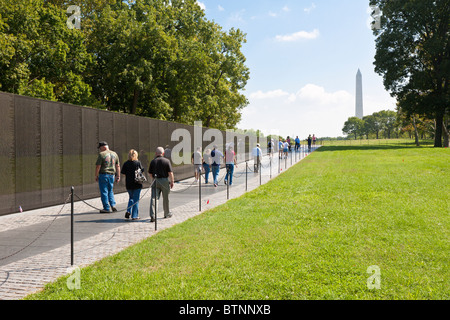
{"type": "Point", "coordinates": [371, 147]}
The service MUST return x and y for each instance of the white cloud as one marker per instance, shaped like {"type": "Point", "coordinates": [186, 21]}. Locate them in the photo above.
{"type": "Point", "coordinates": [221, 8]}
{"type": "Point", "coordinates": [310, 8]}
{"type": "Point", "coordinates": [310, 110]}
{"type": "Point", "coordinates": [202, 5]}
{"type": "Point", "coordinates": [268, 95]}
{"type": "Point", "coordinates": [301, 35]}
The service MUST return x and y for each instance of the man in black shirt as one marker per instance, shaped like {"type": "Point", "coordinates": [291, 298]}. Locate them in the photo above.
{"type": "Point", "coordinates": [161, 172]}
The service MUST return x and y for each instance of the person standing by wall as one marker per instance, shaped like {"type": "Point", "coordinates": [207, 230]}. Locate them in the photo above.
{"type": "Point", "coordinates": [107, 171]}
{"type": "Point", "coordinates": [163, 179]}
{"type": "Point", "coordinates": [133, 188]}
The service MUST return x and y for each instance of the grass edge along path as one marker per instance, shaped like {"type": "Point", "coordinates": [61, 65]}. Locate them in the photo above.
{"type": "Point", "coordinates": [314, 232]}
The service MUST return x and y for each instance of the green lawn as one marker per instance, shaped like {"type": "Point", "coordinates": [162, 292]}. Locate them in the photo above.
{"type": "Point", "coordinates": [311, 233]}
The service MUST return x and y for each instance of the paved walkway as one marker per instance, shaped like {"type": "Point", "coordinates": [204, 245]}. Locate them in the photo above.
{"type": "Point", "coordinates": [35, 246]}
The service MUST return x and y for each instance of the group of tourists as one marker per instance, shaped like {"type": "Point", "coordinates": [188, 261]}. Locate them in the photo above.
{"type": "Point", "coordinates": [211, 160]}
{"type": "Point", "coordinates": [108, 171]}
{"type": "Point", "coordinates": [285, 145]}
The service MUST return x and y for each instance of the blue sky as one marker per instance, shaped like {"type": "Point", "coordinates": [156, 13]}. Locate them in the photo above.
{"type": "Point", "coordinates": [303, 57]}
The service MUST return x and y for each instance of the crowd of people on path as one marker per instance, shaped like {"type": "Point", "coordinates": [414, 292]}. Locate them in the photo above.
{"type": "Point", "coordinates": [285, 145]}
{"type": "Point", "coordinates": [108, 171]}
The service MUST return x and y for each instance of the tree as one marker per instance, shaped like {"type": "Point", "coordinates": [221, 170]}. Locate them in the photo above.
{"type": "Point", "coordinates": [372, 124]}
{"type": "Point", "coordinates": [39, 55]}
{"type": "Point", "coordinates": [413, 55]}
{"type": "Point", "coordinates": [354, 126]}
{"type": "Point", "coordinates": [388, 121]}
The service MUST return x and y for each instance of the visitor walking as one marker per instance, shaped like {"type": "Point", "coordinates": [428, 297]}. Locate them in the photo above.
{"type": "Point", "coordinates": [257, 153]}
{"type": "Point", "coordinates": [285, 149]}
{"type": "Point", "coordinates": [163, 179]}
{"type": "Point", "coordinates": [129, 169]}
{"type": "Point", "coordinates": [107, 171]}
{"type": "Point", "coordinates": [297, 144]}
{"type": "Point", "coordinates": [216, 157]}
{"type": "Point", "coordinates": [230, 163]}
{"type": "Point", "coordinates": [280, 148]}
{"type": "Point", "coordinates": [197, 161]}
{"type": "Point", "coordinates": [207, 164]}
{"type": "Point", "coordinates": [314, 139]}
{"type": "Point", "coordinates": [309, 143]}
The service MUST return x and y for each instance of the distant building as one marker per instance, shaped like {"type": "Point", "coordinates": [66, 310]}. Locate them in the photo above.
{"type": "Point", "coordinates": [359, 96]}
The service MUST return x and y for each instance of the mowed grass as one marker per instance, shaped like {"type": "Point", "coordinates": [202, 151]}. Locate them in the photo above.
{"type": "Point", "coordinates": [311, 233]}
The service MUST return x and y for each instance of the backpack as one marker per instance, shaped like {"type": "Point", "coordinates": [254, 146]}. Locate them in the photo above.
{"type": "Point", "coordinates": [139, 176]}
{"type": "Point", "coordinates": [213, 153]}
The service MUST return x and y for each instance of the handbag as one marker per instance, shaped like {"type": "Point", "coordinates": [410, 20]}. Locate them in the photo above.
{"type": "Point", "coordinates": [139, 176]}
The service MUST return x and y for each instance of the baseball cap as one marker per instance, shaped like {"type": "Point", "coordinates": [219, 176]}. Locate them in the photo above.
{"type": "Point", "coordinates": [102, 144]}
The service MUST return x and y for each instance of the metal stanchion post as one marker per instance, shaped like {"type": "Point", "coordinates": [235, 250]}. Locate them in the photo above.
{"type": "Point", "coordinates": [228, 178]}
{"type": "Point", "coordinates": [271, 168]}
{"type": "Point", "coordinates": [279, 164]}
{"type": "Point", "coordinates": [246, 171]}
{"type": "Point", "coordinates": [260, 169]}
{"type": "Point", "coordinates": [200, 190]}
{"type": "Point", "coordinates": [71, 225]}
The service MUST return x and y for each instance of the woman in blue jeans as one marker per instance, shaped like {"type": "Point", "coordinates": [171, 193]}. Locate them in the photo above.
{"type": "Point", "coordinates": [134, 188]}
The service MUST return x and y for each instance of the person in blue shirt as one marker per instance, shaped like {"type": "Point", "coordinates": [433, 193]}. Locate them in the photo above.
{"type": "Point", "coordinates": [297, 144]}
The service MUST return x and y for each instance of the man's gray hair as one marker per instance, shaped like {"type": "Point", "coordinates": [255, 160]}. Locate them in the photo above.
{"type": "Point", "coordinates": [159, 150]}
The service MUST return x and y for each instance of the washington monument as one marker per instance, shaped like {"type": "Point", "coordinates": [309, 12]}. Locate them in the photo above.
{"type": "Point", "coordinates": [359, 96]}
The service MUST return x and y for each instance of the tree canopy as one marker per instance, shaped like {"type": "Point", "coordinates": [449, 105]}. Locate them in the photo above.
{"type": "Point", "coordinates": [413, 55]}
{"type": "Point", "coordinates": [156, 58]}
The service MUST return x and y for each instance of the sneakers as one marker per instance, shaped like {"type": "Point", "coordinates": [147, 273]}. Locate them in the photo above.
{"type": "Point", "coordinates": [169, 215]}
{"type": "Point", "coordinates": [108, 211]}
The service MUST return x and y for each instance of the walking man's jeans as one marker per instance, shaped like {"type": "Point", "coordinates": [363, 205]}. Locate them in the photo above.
{"type": "Point", "coordinates": [215, 172]}
{"type": "Point", "coordinates": [207, 171]}
{"type": "Point", "coordinates": [160, 185]}
{"type": "Point", "coordinates": [133, 202]}
{"type": "Point", "coordinates": [106, 185]}
{"type": "Point", "coordinates": [230, 171]}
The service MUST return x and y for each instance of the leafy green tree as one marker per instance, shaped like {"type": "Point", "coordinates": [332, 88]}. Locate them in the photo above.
{"type": "Point", "coordinates": [41, 56]}
{"type": "Point", "coordinates": [413, 55]}
{"type": "Point", "coordinates": [354, 126]}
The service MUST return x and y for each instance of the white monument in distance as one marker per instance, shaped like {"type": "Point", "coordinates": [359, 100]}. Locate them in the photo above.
{"type": "Point", "coordinates": [359, 96]}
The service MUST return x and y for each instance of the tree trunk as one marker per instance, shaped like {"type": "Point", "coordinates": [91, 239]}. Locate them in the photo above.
{"type": "Point", "coordinates": [416, 134]}
{"type": "Point", "coordinates": [446, 134]}
{"type": "Point", "coordinates": [439, 129]}
{"type": "Point", "coordinates": [135, 101]}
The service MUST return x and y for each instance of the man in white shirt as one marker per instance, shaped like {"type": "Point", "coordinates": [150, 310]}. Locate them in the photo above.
{"type": "Point", "coordinates": [216, 157]}
{"type": "Point", "coordinates": [257, 153]}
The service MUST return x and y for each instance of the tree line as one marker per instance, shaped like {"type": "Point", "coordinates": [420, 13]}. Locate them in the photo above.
{"type": "Point", "coordinates": [157, 58]}
{"type": "Point", "coordinates": [389, 124]}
